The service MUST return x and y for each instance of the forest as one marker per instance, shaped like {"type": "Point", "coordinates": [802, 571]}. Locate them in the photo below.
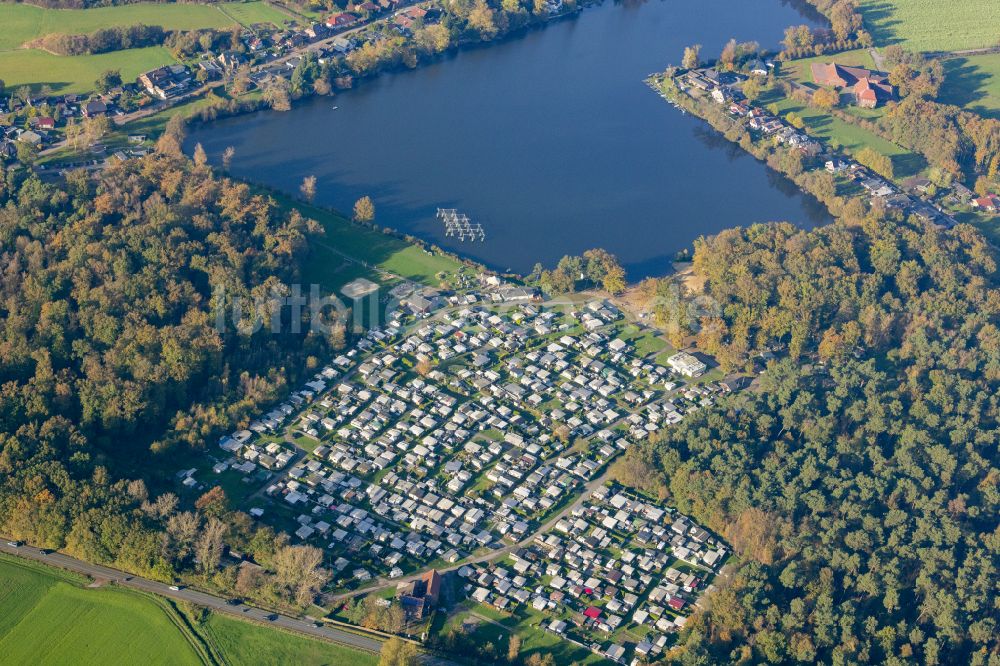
{"type": "Point", "coordinates": [858, 484]}
{"type": "Point", "coordinates": [112, 361]}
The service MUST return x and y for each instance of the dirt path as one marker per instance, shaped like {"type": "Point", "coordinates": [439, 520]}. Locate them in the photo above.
{"type": "Point", "coordinates": [877, 59]}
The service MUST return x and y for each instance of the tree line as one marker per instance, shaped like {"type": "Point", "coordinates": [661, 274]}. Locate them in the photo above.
{"type": "Point", "coordinates": [111, 362]}
{"type": "Point", "coordinates": [858, 485]}
{"type": "Point", "coordinates": [104, 40]}
{"type": "Point", "coordinates": [595, 269]}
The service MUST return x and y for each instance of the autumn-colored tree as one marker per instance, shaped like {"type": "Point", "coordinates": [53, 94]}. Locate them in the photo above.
{"type": "Point", "coordinates": [692, 55]}
{"type": "Point", "coordinates": [210, 545]}
{"type": "Point", "coordinates": [364, 209]}
{"type": "Point", "coordinates": [397, 652]}
{"type": "Point", "coordinates": [200, 157]}
{"type": "Point", "coordinates": [308, 188]}
{"type": "Point", "coordinates": [513, 648]}
{"type": "Point", "coordinates": [213, 503]}
{"type": "Point", "coordinates": [753, 88]}
{"type": "Point", "coordinates": [482, 19]}
{"type": "Point", "coordinates": [727, 59]}
{"type": "Point", "coordinates": [299, 569]}
{"type": "Point", "coordinates": [277, 94]}
{"type": "Point", "coordinates": [825, 99]}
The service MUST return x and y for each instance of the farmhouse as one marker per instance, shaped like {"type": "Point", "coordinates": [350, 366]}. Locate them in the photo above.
{"type": "Point", "coordinates": [869, 88]}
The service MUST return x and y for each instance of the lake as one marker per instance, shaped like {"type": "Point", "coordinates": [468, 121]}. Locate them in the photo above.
{"type": "Point", "coordinates": [550, 139]}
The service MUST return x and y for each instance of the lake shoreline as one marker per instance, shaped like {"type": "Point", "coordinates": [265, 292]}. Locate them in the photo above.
{"type": "Point", "coordinates": [550, 140]}
{"type": "Point", "coordinates": [246, 107]}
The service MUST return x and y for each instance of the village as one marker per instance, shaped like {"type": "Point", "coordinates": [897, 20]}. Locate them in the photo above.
{"type": "Point", "coordinates": [472, 436]}
{"type": "Point", "coordinates": [266, 52]}
{"type": "Point", "coordinates": [37, 119]}
{"type": "Point", "coordinates": [867, 89]}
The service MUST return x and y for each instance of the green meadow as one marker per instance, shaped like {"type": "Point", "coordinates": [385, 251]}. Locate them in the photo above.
{"type": "Point", "coordinates": [243, 643]}
{"type": "Point", "coordinates": [76, 74]}
{"type": "Point", "coordinates": [933, 25]}
{"type": "Point", "coordinates": [23, 23]}
{"type": "Point", "coordinates": [329, 267]}
{"type": "Point", "coordinates": [250, 13]}
{"type": "Point", "coordinates": [20, 24]}
{"type": "Point", "coordinates": [50, 617]}
{"type": "Point", "coordinates": [973, 83]}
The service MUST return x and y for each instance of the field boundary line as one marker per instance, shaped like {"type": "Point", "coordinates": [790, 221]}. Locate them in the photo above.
{"type": "Point", "coordinates": [184, 626]}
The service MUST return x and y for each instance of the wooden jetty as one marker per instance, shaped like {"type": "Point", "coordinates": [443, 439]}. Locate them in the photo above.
{"type": "Point", "coordinates": [459, 225]}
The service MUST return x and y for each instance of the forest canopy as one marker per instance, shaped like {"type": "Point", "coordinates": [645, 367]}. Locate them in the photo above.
{"type": "Point", "coordinates": [859, 483]}
{"type": "Point", "coordinates": [109, 346]}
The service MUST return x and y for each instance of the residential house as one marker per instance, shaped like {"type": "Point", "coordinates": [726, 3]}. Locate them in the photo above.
{"type": "Point", "coordinates": [341, 20]}
{"type": "Point", "coordinates": [990, 203]}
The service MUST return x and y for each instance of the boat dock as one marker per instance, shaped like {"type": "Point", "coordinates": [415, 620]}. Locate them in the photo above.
{"type": "Point", "coordinates": [459, 224]}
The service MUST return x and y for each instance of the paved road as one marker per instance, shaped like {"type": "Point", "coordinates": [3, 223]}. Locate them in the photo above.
{"type": "Point", "coordinates": [213, 602]}
{"type": "Point", "coordinates": [382, 583]}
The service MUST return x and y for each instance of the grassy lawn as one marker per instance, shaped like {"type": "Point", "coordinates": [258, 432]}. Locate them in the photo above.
{"type": "Point", "coordinates": [250, 13]}
{"type": "Point", "coordinates": [76, 74]}
{"type": "Point", "coordinates": [973, 83]}
{"type": "Point", "coordinates": [848, 136]}
{"type": "Point", "coordinates": [332, 270]}
{"type": "Point", "coordinates": [242, 643]}
{"type": "Point", "coordinates": [523, 622]}
{"type": "Point", "coordinates": [48, 620]}
{"type": "Point", "coordinates": [47, 616]}
{"type": "Point", "coordinates": [932, 25]}
{"type": "Point", "coordinates": [22, 23]}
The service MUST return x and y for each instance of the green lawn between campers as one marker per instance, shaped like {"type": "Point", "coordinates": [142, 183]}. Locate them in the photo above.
{"type": "Point", "coordinates": [48, 616]}
{"type": "Point", "coordinates": [933, 25]}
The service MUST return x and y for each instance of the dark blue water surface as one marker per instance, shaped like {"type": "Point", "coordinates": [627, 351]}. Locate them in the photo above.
{"type": "Point", "coordinates": [550, 139]}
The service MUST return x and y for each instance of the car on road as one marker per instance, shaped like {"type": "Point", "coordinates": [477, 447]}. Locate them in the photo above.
{"type": "Point", "coordinates": [45, 551]}
{"type": "Point", "coordinates": [175, 588]}
{"type": "Point", "coordinates": [234, 602]}
{"type": "Point", "coordinates": [272, 617]}
{"type": "Point", "coordinates": [15, 544]}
